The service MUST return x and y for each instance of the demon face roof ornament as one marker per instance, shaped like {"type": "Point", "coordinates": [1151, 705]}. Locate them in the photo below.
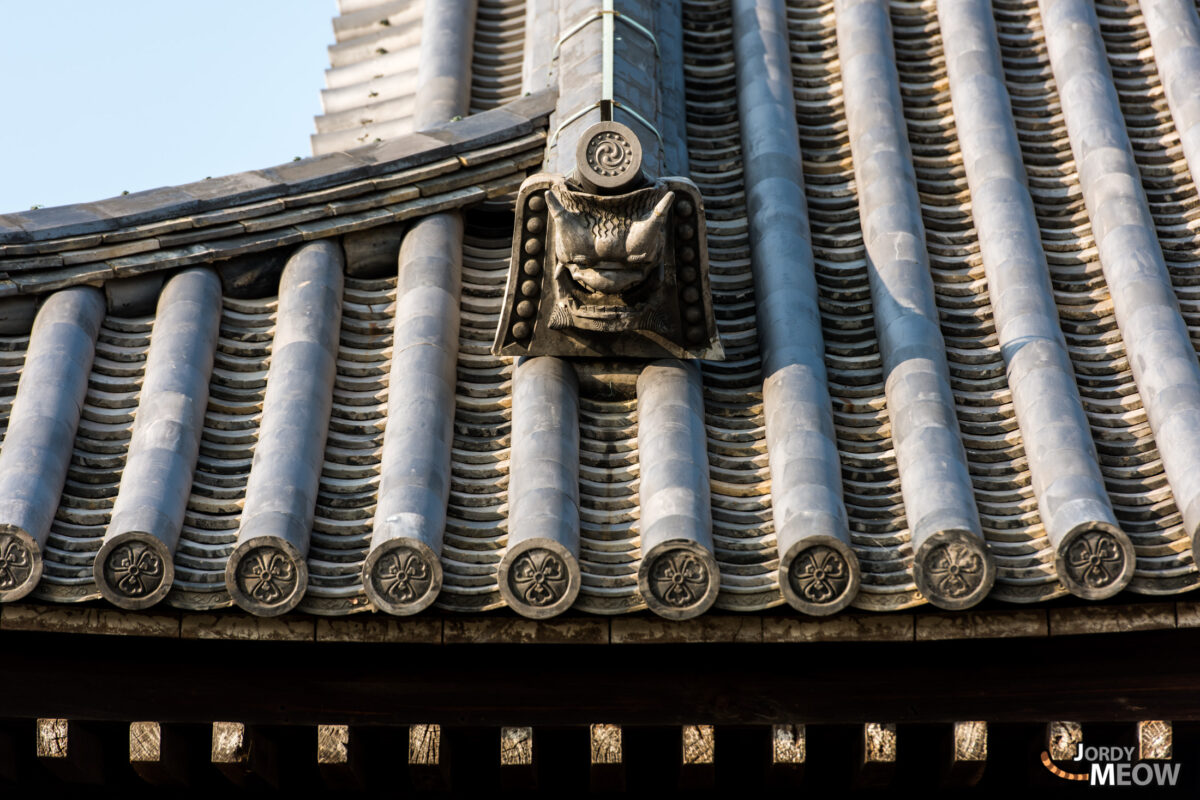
{"type": "Point", "coordinates": [608, 264]}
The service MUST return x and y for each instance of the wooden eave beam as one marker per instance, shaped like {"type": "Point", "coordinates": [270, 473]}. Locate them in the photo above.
{"type": "Point", "coordinates": [1101, 677]}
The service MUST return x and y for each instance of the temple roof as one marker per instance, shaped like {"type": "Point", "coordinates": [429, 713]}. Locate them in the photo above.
{"type": "Point", "coordinates": [1039, 177]}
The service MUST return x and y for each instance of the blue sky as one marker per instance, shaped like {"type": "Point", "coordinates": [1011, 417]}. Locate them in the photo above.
{"type": "Point", "coordinates": [105, 96]}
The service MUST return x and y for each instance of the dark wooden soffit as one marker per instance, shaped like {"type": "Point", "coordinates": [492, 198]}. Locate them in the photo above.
{"type": "Point", "coordinates": [1105, 677]}
{"type": "Point", "coordinates": [461, 163]}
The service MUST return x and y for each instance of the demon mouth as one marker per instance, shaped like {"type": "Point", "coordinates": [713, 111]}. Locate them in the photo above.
{"type": "Point", "coordinates": [608, 277]}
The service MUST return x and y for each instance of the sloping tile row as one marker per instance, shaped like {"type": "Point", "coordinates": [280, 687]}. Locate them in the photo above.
{"type": "Point", "coordinates": [477, 516]}
{"type": "Point", "coordinates": [737, 450]}
{"type": "Point", "coordinates": [1071, 258]}
{"type": "Point", "coordinates": [999, 467]}
{"type": "Point", "coordinates": [371, 83]}
{"type": "Point", "coordinates": [1165, 560]}
{"type": "Point", "coordinates": [353, 448]}
{"type": "Point", "coordinates": [499, 50]}
{"type": "Point", "coordinates": [1129, 458]}
{"type": "Point", "coordinates": [231, 423]}
{"type": "Point", "coordinates": [101, 447]}
{"type": "Point", "coordinates": [870, 481]}
{"type": "Point", "coordinates": [346, 500]}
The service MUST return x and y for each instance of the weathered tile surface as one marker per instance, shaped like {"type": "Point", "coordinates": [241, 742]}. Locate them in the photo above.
{"type": "Point", "coordinates": [1027, 389]}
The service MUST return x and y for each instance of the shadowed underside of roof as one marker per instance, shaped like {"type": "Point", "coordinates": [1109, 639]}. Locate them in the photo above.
{"type": "Point", "coordinates": [1102, 328]}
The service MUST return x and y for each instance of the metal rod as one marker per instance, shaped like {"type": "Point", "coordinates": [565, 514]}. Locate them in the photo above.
{"type": "Point", "coordinates": [606, 61]}
{"type": "Point", "coordinates": [606, 12]}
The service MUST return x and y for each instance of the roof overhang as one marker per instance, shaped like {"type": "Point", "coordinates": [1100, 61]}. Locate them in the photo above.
{"type": "Point", "coordinates": [481, 157]}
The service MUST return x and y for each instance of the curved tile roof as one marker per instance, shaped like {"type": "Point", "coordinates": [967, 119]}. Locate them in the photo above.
{"type": "Point", "coordinates": [1029, 179]}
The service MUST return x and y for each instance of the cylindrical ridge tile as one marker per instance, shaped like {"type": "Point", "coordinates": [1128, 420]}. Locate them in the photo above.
{"type": "Point", "coordinates": [1094, 558]}
{"type": "Point", "coordinates": [1161, 355]}
{"type": "Point", "coordinates": [952, 566]}
{"type": "Point", "coordinates": [539, 573]}
{"type": "Point", "coordinates": [541, 31]}
{"type": "Point", "coordinates": [444, 75]}
{"type": "Point", "coordinates": [678, 575]}
{"type": "Point", "coordinates": [1175, 37]}
{"type": "Point", "coordinates": [402, 573]}
{"type": "Point", "coordinates": [135, 568]}
{"type": "Point", "coordinates": [818, 571]}
{"type": "Point", "coordinates": [41, 431]}
{"type": "Point", "coordinates": [267, 573]}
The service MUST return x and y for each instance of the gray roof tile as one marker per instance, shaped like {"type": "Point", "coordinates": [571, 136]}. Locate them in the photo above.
{"type": "Point", "coordinates": [959, 178]}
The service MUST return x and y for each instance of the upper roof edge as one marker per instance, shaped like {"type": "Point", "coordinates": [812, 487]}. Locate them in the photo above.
{"type": "Point", "coordinates": [914, 626]}
{"type": "Point", "coordinates": [37, 231]}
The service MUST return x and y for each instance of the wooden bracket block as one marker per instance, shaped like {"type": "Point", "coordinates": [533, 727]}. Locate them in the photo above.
{"type": "Point", "coordinates": [339, 757]}
{"type": "Point", "coordinates": [53, 738]}
{"type": "Point", "coordinates": [789, 751]}
{"type": "Point", "coordinates": [877, 763]}
{"type": "Point", "coordinates": [145, 743]}
{"type": "Point", "coordinates": [70, 750]}
{"type": "Point", "coordinates": [516, 758]}
{"type": "Point", "coordinates": [244, 754]}
{"type": "Point", "coordinates": [1155, 740]}
{"type": "Point", "coordinates": [428, 758]}
{"type": "Point", "coordinates": [789, 745]}
{"type": "Point", "coordinates": [516, 747]}
{"type": "Point", "coordinates": [698, 767]}
{"type": "Point", "coordinates": [333, 745]}
{"type": "Point", "coordinates": [969, 753]}
{"type": "Point", "coordinates": [1063, 740]}
{"type": "Point", "coordinates": [607, 759]}
{"type": "Point", "coordinates": [164, 755]}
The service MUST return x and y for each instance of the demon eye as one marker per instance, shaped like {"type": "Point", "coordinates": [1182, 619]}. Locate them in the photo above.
{"type": "Point", "coordinates": [582, 261]}
{"type": "Point", "coordinates": [638, 258]}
